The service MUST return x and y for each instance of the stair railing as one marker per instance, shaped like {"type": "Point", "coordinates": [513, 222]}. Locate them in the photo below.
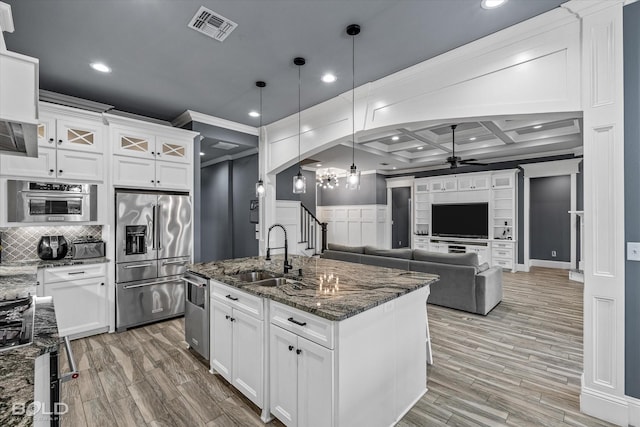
{"type": "Point", "coordinates": [309, 230]}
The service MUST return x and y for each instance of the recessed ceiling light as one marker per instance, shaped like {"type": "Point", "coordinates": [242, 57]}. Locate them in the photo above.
{"type": "Point", "coordinates": [319, 165]}
{"type": "Point", "coordinates": [329, 78]}
{"type": "Point", "coordinates": [201, 153]}
{"type": "Point", "coordinates": [492, 4]}
{"type": "Point", "coordinates": [395, 138]}
{"type": "Point", "coordinates": [537, 126]}
{"type": "Point", "coordinates": [473, 138]}
{"type": "Point", "coordinates": [254, 114]}
{"type": "Point", "coordinates": [420, 148]}
{"type": "Point", "coordinates": [99, 66]}
{"type": "Point", "coordinates": [394, 168]}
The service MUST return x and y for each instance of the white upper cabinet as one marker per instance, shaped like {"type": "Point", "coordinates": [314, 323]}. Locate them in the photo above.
{"type": "Point", "coordinates": [148, 155]}
{"type": "Point", "coordinates": [70, 148]}
{"type": "Point", "coordinates": [502, 181]}
{"type": "Point", "coordinates": [473, 182]}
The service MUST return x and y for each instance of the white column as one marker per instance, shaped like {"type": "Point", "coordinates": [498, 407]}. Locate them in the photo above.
{"type": "Point", "coordinates": [602, 393]}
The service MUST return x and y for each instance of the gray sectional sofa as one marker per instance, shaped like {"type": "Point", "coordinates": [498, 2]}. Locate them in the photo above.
{"type": "Point", "coordinates": [463, 285]}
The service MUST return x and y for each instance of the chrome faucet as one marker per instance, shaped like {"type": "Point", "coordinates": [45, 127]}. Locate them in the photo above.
{"type": "Point", "coordinates": [287, 265]}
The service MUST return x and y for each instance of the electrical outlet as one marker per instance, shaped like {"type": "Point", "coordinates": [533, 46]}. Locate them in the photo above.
{"type": "Point", "coordinates": [633, 251]}
{"type": "Point", "coordinates": [554, 254]}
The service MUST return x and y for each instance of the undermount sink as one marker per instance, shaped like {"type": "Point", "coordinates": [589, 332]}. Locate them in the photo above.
{"type": "Point", "coordinates": [256, 276]}
{"type": "Point", "coordinates": [274, 281]}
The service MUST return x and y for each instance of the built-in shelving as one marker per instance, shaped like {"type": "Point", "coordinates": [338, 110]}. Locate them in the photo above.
{"type": "Point", "coordinates": [498, 189]}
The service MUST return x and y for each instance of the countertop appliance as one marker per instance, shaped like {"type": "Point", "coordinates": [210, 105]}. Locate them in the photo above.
{"type": "Point", "coordinates": [196, 313]}
{"type": "Point", "coordinates": [87, 247]}
{"type": "Point", "coordinates": [52, 247]}
{"type": "Point", "coordinates": [153, 248]}
{"type": "Point", "coordinates": [30, 201]}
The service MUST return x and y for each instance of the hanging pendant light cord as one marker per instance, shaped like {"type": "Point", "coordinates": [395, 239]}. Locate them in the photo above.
{"type": "Point", "coordinates": [353, 99]}
{"type": "Point", "coordinates": [299, 127]}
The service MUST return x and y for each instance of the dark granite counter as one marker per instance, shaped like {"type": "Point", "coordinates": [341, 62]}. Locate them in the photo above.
{"type": "Point", "coordinates": [332, 289]}
{"type": "Point", "coordinates": [17, 365]}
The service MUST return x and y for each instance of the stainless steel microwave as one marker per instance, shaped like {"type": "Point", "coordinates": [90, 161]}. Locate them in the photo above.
{"type": "Point", "coordinates": [35, 201]}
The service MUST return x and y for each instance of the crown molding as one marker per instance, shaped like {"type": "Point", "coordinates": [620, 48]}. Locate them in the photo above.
{"type": "Point", "coordinates": [193, 116]}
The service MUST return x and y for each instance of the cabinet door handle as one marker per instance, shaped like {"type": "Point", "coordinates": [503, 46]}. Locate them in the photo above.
{"type": "Point", "coordinates": [292, 320]}
{"type": "Point", "coordinates": [152, 181]}
{"type": "Point", "coordinates": [227, 316]}
{"type": "Point", "coordinates": [298, 351]}
{"type": "Point", "coordinates": [73, 273]}
{"type": "Point", "coordinates": [60, 171]}
{"type": "Point", "coordinates": [102, 284]}
{"type": "Point", "coordinates": [290, 348]}
{"type": "Point", "coordinates": [231, 298]}
{"type": "Point", "coordinates": [59, 141]}
{"type": "Point", "coordinates": [51, 171]}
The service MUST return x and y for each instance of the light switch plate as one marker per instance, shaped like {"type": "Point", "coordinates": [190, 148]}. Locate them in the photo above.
{"type": "Point", "coordinates": [633, 251]}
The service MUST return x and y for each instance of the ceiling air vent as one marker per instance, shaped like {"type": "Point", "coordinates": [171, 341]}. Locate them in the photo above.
{"type": "Point", "coordinates": [211, 24]}
{"type": "Point", "coordinates": [221, 145]}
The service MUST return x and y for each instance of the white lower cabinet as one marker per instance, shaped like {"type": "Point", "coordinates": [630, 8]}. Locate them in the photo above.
{"type": "Point", "coordinates": [80, 298]}
{"type": "Point", "coordinates": [301, 380]}
{"type": "Point", "coordinates": [237, 343]}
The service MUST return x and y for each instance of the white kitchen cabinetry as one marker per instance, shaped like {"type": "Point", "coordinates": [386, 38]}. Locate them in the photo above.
{"type": "Point", "coordinates": [473, 182]}
{"type": "Point", "coordinates": [237, 340]}
{"type": "Point", "coordinates": [70, 148]}
{"type": "Point", "coordinates": [147, 155]}
{"type": "Point", "coordinates": [368, 369]}
{"type": "Point", "coordinates": [80, 298]}
{"type": "Point", "coordinates": [301, 380]}
{"type": "Point", "coordinates": [443, 184]}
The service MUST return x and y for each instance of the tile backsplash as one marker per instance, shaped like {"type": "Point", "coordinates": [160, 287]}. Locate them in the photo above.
{"type": "Point", "coordinates": [20, 243]}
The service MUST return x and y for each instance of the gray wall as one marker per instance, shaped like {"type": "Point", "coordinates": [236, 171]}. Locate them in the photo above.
{"type": "Point", "coordinates": [245, 175]}
{"type": "Point", "coordinates": [373, 191]}
{"type": "Point", "coordinates": [632, 197]}
{"type": "Point", "coordinates": [284, 187]}
{"type": "Point", "coordinates": [550, 225]}
{"type": "Point", "coordinates": [215, 234]}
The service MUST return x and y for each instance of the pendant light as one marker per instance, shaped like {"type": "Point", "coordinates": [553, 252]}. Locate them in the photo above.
{"type": "Point", "coordinates": [260, 188]}
{"type": "Point", "coordinates": [353, 180]}
{"type": "Point", "coordinates": [299, 181]}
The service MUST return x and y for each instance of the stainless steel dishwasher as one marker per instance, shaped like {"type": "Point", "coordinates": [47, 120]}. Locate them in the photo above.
{"type": "Point", "coordinates": [196, 313]}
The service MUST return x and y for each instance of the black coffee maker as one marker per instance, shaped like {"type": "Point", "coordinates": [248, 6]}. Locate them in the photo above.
{"type": "Point", "coordinates": [52, 247]}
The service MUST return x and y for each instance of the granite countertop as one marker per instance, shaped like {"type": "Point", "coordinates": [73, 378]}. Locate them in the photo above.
{"type": "Point", "coordinates": [334, 290]}
{"type": "Point", "coordinates": [17, 365]}
{"type": "Point", "coordinates": [65, 262]}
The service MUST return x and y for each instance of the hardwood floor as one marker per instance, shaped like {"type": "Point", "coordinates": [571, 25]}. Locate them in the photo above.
{"type": "Point", "coordinates": [518, 366]}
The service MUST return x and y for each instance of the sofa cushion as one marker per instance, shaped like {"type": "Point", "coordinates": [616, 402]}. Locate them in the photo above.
{"type": "Point", "coordinates": [470, 258]}
{"type": "Point", "coordinates": [341, 256]}
{"type": "Point", "coordinates": [482, 267]}
{"type": "Point", "coordinates": [392, 253]}
{"type": "Point", "coordinates": [345, 248]}
{"type": "Point", "coordinates": [388, 262]}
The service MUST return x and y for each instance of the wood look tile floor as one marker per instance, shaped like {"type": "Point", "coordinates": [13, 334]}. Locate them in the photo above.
{"type": "Point", "coordinates": [518, 366]}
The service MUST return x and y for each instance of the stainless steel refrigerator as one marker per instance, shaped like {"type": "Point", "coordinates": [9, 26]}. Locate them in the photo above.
{"type": "Point", "coordinates": [153, 248]}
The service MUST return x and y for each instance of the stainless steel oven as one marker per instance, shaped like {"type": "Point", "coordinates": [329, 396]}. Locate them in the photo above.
{"type": "Point", "coordinates": [31, 201]}
{"type": "Point", "coordinates": [196, 313]}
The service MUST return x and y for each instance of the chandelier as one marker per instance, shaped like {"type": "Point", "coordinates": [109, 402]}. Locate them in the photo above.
{"type": "Point", "coordinates": [327, 180]}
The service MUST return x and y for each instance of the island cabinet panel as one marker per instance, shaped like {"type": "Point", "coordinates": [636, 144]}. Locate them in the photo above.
{"type": "Point", "coordinates": [302, 380]}
{"type": "Point", "coordinates": [238, 340]}
{"type": "Point", "coordinates": [314, 328]}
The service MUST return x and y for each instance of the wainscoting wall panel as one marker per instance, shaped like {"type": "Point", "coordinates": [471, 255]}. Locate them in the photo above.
{"type": "Point", "coordinates": [354, 225]}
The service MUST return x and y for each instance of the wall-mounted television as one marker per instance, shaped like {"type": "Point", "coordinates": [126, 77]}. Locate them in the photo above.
{"type": "Point", "coordinates": [460, 220]}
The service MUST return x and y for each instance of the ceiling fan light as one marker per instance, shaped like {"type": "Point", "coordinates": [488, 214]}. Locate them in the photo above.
{"type": "Point", "coordinates": [299, 183]}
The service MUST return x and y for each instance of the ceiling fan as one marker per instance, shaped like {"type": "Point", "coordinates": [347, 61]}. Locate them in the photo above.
{"type": "Point", "coordinates": [455, 161]}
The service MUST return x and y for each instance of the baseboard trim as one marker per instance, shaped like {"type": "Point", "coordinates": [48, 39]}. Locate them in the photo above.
{"type": "Point", "coordinates": [634, 411]}
{"type": "Point", "coordinates": [607, 407]}
{"type": "Point", "coordinates": [550, 264]}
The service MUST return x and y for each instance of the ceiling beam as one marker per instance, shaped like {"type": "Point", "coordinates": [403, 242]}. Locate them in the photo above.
{"type": "Point", "coordinates": [423, 139]}
{"type": "Point", "coordinates": [495, 129]}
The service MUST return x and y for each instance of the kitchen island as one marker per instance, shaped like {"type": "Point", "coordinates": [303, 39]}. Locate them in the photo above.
{"type": "Point", "coordinates": [333, 344]}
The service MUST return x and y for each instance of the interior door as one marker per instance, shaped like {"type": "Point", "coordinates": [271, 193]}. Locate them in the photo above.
{"type": "Point", "coordinates": [174, 226]}
{"type": "Point", "coordinates": [400, 217]}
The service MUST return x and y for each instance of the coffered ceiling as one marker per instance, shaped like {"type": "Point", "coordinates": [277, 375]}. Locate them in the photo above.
{"type": "Point", "coordinates": [486, 139]}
